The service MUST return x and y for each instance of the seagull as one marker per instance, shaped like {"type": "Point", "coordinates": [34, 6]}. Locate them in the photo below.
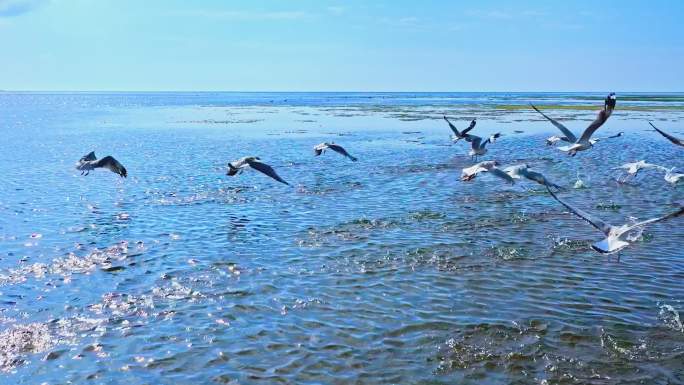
{"type": "Point", "coordinates": [238, 166]}
{"type": "Point", "coordinates": [552, 140]}
{"type": "Point", "coordinates": [523, 171]}
{"type": "Point", "coordinates": [90, 162]}
{"type": "Point", "coordinates": [320, 149]}
{"type": "Point", "coordinates": [584, 142]}
{"type": "Point", "coordinates": [509, 174]}
{"type": "Point", "coordinates": [460, 135]}
{"type": "Point", "coordinates": [669, 137]}
{"type": "Point", "coordinates": [633, 168]}
{"type": "Point", "coordinates": [673, 177]}
{"type": "Point", "coordinates": [477, 145]}
{"type": "Point", "coordinates": [469, 173]}
{"type": "Point", "coordinates": [617, 237]}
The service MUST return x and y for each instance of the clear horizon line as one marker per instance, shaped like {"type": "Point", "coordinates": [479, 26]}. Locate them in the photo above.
{"type": "Point", "coordinates": [319, 91]}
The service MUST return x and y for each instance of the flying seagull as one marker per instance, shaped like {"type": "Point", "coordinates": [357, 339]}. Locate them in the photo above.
{"type": "Point", "coordinates": [238, 166]}
{"type": "Point", "coordinates": [584, 141]}
{"type": "Point", "coordinates": [90, 162]}
{"type": "Point", "coordinates": [509, 174]}
{"type": "Point", "coordinates": [552, 140]}
{"type": "Point", "coordinates": [633, 168]}
{"type": "Point", "coordinates": [617, 237]}
{"type": "Point", "coordinates": [477, 145]}
{"type": "Point", "coordinates": [469, 173]}
{"type": "Point", "coordinates": [669, 137]}
{"type": "Point", "coordinates": [320, 149]}
{"type": "Point", "coordinates": [459, 135]}
{"type": "Point", "coordinates": [523, 171]}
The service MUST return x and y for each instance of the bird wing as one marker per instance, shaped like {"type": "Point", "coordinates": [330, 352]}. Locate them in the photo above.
{"type": "Point", "coordinates": [568, 134]}
{"type": "Point", "coordinates": [514, 171]}
{"type": "Point", "coordinates": [318, 151]}
{"type": "Point", "coordinates": [470, 127]}
{"type": "Point", "coordinates": [111, 164]}
{"type": "Point", "coordinates": [453, 128]}
{"type": "Point", "coordinates": [474, 169]}
{"type": "Point", "coordinates": [596, 222]}
{"type": "Point", "coordinates": [658, 219]}
{"type": "Point", "coordinates": [88, 157]}
{"type": "Point", "coordinates": [539, 178]}
{"type": "Point", "coordinates": [266, 169]}
{"type": "Point", "coordinates": [601, 118]}
{"type": "Point", "coordinates": [669, 137]}
{"type": "Point", "coordinates": [474, 141]}
{"type": "Point", "coordinates": [232, 170]}
{"type": "Point", "coordinates": [502, 174]}
{"type": "Point", "coordinates": [491, 139]}
{"type": "Point", "coordinates": [338, 149]}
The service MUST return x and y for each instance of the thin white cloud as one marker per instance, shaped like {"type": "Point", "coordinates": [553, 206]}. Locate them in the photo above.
{"type": "Point", "coordinates": [490, 14]}
{"type": "Point", "coordinates": [409, 21]}
{"type": "Point", "coordinates": [495, 14]}
{"type": "Point", "coordinates": [249, 15]}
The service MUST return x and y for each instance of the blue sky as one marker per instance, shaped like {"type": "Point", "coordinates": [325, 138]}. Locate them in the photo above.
{"type": "Point", "coordinates": [342, 45]}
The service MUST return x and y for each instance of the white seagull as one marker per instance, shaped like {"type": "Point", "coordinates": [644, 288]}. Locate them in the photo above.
{"type": "Point", "coordinates": [320, 149]}
{"type": "Point", "coordinates": [238, 166]}
{"type": "Point", "coordinates": [523, 171]}
{"type": "Point", "coordinates": [90, 162]}
{"type": "Point", "coordinates": [458, 135]}
{"type": "Point", "coordinates": [633, 168]}
{"type": "Point", "coordinates": [477, 145]}
{"type": "Point", "coordinates": [509, 174]}
{"type": "Point", "coordinates": [617, 237]}
{"type": "Point", "coordinates": [469, 173]}
{"type": "Point", "coordinates": [552, 140]}
{"type": "Point", "coordinates": [584, 142]}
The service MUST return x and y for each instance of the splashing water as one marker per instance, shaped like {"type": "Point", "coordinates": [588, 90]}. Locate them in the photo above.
{"type": "Point", "coordinates": [670, 317]}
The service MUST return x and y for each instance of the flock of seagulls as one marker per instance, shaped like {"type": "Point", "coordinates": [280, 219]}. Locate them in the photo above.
{"type": "Point", "coordinates": [616, 237]}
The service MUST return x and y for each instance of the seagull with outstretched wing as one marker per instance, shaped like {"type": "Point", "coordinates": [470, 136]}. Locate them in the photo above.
{"type": "Point", "coordinates": [458, 135]}
{"type": "Point", "coordinates": [617, 237]}
{"type": "Point", "coordinates": [478, 145]}
{"type": "Point", "coordinates": [320, 149]}
{"type": "Point", "coordinates": [490, 166]}
{"type": "Point", "coordinates": [633, 168]}
{"type": "Point", "coordinates": [238, 166]}
{"type": "Point", "coordinates": [90, 162]}
{"type": "Point", "coordinates": [523, 171]}
{"type": "Point", "coordinates": [584, 142]}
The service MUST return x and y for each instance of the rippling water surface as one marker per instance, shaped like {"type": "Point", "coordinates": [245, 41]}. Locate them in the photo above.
{"type": "Point", "coordinates": [387, 270]}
